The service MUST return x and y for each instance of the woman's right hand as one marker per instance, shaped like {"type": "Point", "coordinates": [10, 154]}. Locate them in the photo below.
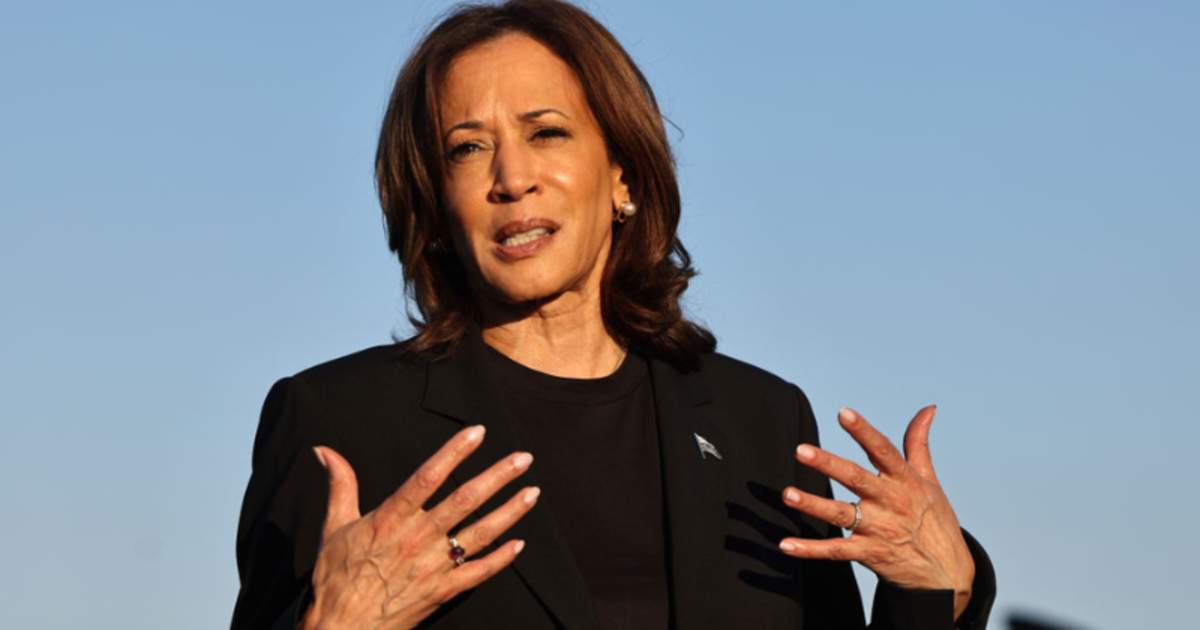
{"type": "Point", "coordinates": [392, 567]}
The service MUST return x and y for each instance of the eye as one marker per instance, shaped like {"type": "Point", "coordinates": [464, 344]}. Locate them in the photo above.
{"type": "Point", "coordinates": [463, 150]}
{"type": "Point", "coordinates": [544, 134]}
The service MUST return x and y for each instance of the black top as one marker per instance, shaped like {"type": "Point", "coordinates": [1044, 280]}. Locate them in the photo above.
{"type": "Point", "coordinates": [595, 447]}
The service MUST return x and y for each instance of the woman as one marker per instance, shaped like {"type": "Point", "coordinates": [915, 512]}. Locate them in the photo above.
{"type": "Point", "coordinates": [530, 195]}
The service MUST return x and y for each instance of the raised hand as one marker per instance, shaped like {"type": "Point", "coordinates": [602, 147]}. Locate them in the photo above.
{"type": "Point", "coordinates": [394, 567]}
{"type": "Point", "coordinates": [903, 528]}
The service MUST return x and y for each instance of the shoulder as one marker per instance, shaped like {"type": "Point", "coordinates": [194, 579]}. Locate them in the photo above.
{"type": "Point", "coordinates": [368, 363]}
{"type": "Point", "coordinates": [758, 412]}
{"type": "Point", "coordinates": [348, 398]}
{"type": "Point", "coordinates": [357, 380]}
{"type": "Point", "coordinates": [725, 373]}
{"type": "Point", "coordinates": [752, 387]}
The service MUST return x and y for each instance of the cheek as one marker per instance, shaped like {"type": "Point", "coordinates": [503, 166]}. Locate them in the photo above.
{"type": "Point", "coordinates": [599, 206]}
{"type": "Point", "coordinates": [590, 196]}
{"type": "Point", "coordinates": [467, 218]}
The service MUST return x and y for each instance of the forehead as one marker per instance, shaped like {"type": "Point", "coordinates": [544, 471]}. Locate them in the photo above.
{"type": "Point", "coordinates": [514, 73]}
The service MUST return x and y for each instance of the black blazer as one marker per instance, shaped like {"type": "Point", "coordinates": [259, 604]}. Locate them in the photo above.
{"type": "Point", "coordinates": [724, 517]}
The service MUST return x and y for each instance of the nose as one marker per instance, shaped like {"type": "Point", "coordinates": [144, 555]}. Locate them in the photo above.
{"type": "Point", "coordinates": [514, 173]}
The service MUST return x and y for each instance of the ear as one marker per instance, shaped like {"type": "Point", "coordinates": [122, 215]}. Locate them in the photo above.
{"type": "Point", "coordinates": [620, 191]}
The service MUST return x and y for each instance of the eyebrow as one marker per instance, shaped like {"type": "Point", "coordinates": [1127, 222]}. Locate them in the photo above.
{"type": "Point", "coordinates": [526, 117]}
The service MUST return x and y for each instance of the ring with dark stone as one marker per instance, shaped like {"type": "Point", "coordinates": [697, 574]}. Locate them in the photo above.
{"type": "Point", "coordinates": [457, 553]}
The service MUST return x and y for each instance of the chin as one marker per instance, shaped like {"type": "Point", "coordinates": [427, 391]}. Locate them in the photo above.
{"type": "Point", "coordinates": [531, 281]}
{"type": "Point", "coordinates": [515, 290]}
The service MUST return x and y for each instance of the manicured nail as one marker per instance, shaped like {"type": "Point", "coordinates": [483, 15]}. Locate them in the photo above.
{"type": "Point", "coordinates": [320, 457]}
{"type": "Point", "coordinates": [787, 545]}
{"type": "Point", "coordinates": [531, 495]}
{"type": "Point", "coordinates": [519, 547]}
{"type": "Point", "coordinates": [792, 495]}
{"type": "Point", "coordinates": [847, 416]}
{"type": "Point", "coordinates": [806, 452]}
{"type": "Point", "coordinates": [521, 461]}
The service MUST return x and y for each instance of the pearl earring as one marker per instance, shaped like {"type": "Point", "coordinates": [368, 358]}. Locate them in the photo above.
{"type": "Point", "coordinates": [625, 210]}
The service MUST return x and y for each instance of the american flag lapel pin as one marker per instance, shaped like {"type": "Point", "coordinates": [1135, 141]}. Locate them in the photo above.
{"type": "Point", "coordinates": [706, 447]}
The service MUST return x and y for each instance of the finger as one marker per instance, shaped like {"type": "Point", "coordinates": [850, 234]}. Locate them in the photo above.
{"type": "Point", "coordinates": [343, 490]}
{"type": "Point", "coordinates": [421, 485]}
{"type": "Point", "coordinates": [468, 497]}
{"type": "Point", "coordinates": [483, 532]}
{"type": "Point", "coordinates": [880, 450]}
{"type": "Point", "coordinates": [825, 548]}
{"type": "Point", "coordinates": [916, 442]}
{"type": "Point", "coordinates": [854, 477]}
{"type": "Point", "coordinates": [476, 572]}
{"type": "Point", "coordinates": [837, 513]}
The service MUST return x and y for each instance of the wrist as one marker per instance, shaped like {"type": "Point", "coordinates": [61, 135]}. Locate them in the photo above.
{"type": "Point", "coordinates": [961, 600]}
{"type": "Point", "coordinates": [962, 592]}
{"type": "Point", "coordinates": [308, 615]}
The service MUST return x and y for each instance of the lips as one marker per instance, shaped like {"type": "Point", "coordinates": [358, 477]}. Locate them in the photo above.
{"type": "Point", "coordinates": [521, 239]}
{"type": "Point", "coordinates": [514, 228]}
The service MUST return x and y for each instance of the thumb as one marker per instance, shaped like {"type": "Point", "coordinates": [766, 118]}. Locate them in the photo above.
{"type": "Point", "coordinates": [343, 490]}
{"type": "Point", "coordinates": [916, 443]}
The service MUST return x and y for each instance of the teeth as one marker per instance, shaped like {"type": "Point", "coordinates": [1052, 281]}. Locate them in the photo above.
{"type": "Point", "coordinates": [525, 237]}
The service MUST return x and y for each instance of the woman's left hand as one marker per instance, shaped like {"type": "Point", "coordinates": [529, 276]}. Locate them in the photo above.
{"type": "Point", "coordinates": [907, 533]}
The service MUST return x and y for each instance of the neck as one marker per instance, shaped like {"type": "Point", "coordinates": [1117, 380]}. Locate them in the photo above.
{"type": "Point", "coordinates": [564, 336]}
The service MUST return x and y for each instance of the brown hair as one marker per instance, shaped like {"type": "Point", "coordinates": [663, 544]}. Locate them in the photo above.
{"type": "Point", "coordinates": [648, 267]}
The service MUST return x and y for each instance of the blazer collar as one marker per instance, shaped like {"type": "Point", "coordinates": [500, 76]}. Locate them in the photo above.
{"type": "Point", "coordinates": [693, 487]}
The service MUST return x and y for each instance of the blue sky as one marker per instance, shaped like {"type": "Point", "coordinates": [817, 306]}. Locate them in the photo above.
{"type": "Point", "coordinates": [991, 206]}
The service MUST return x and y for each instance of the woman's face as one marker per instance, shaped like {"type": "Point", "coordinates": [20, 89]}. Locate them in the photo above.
{"type": "Point", "coordinates": [528, 181]}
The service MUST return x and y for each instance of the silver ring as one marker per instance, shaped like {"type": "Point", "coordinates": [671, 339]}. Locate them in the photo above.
{"type": "Point", "coordinates": [457, 553]}
{"type": "Point", "coordinates": [857, 518]}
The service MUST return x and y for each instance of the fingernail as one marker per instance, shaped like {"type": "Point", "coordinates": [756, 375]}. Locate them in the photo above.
{"type": "Point", "coordinates": [476, 433]}
{"type": "Point", "coordinates": [520, 546]}
{"type": "Point", "coordinates": [792, 495]}
{"type": "Point", "coordinates": [847, 415]}
{"type": "Point", "coordinates": [320, 457]}
{"type": "Point", "coordinates": [805, 452]}
{"type": "Point", "coordinates": [787, 545]}
{"type": "Point", "coordinates": [531, 495]}
{"type": "Point", "coordinates": [521, 461]}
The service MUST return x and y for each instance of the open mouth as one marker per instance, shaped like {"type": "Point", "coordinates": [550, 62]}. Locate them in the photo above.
{"type": "Point", "coordinates": [527, 236]}
{"type": "Point", "coordinates": [518, 239]}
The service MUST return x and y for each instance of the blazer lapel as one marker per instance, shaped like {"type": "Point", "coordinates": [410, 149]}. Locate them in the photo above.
{"type": "Point", "coordinates": [455, 390]}
{"type": "Point", "coordinates": [694, 491]}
